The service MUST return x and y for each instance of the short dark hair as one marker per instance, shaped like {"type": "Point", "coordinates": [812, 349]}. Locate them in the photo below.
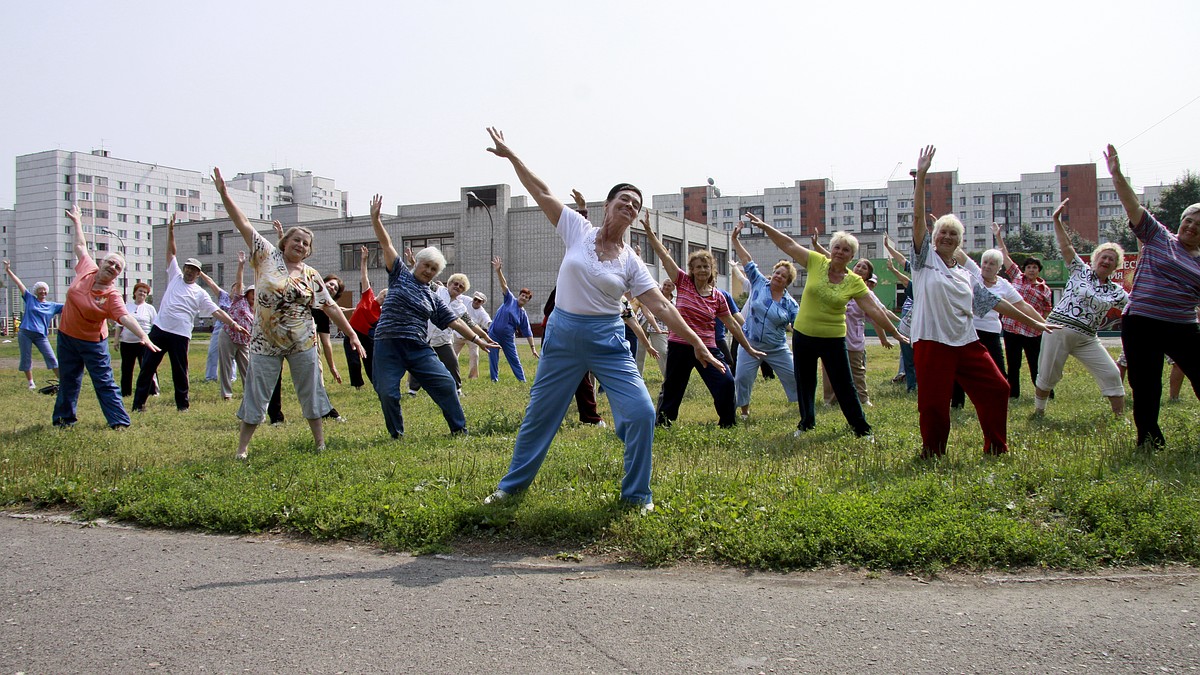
{"type": "Point", "coordinates": [624, 186]}
{"type": "Point", "coordinates": [526, 291]}
{"type": "Point", "coordinates": [340, 284]}
{"type": "Point", "coordinates": [1033, 260]}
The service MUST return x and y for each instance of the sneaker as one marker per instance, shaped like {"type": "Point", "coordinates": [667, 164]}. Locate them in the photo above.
{"type": "Point", "coordinates": [602, 424]}
{"type": "Point", "coordinates": [646, 509]}
{"type": "Point", "coordinates": [32, 385]}
{"type": "Point", "coordinates": [898, 378]}
{"type": "Point", "coordinates": [745, 417]}
{"type": "Point", "coordinates": [241, 456]}
{"type": "Point", "coordinates": [496, 497]}
{"type": "Point", "coordinates": [460, 393]}
{"type": "Point", "coordinates": [339, 418]}
{"type": "Point", "coordinates": [412, 392]}
{"type": "Point", "coordinates": [798, 433]}
{"type": "Point", "coordinates": [321, 448]}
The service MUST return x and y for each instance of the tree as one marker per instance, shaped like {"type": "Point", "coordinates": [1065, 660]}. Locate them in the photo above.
{"type": "Point", "coordinates": [1119, 233]}
{"type": "Point", "coordinates": [1175, 198]}
{"type": "Point", "coordinates": [1023, 239]}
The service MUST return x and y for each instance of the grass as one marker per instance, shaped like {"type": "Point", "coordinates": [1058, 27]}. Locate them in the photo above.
{"type": "Point", "coordinates": [1073, 492]}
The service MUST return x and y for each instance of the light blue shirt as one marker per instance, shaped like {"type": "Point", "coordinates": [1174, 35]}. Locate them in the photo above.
{"type": "Point", "coordinates": [767, 319]}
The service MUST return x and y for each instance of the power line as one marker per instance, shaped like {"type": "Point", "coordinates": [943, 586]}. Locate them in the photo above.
{"type": "Point", "coordinates": [1159, 122]}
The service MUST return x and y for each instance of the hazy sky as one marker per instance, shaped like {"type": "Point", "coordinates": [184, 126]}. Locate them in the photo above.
{"type": "Point", "coordinates": [393, 97]}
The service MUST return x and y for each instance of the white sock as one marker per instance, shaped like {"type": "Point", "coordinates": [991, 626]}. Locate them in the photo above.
{"type": "Point", "coordinates": [1039, 403]}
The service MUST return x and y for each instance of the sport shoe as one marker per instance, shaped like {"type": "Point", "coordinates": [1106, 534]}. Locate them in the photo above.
{"type": "Point", "coordinates": [321, 448]}
{"type": "Point", "coordinates": [412, 392]}
{"type": "Point", "coordinates": [32, 385]}
{"type": "Point", "coordinates": [339, 418]}
{"type": "Point", "coordinates": [495, 497]}
{"type": "Point", "coordinates": [745, 417]}
{"type": "Point", "coordinates": [646, 509]}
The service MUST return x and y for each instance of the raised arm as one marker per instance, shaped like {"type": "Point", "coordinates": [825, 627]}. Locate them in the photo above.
{"type": "Point", "coordinates": [743, 255]}
{"type": "Point", "coordinates": [385, 242]}
{"type": "Point", "coordinates": [1063, 234]}
{"type": "Point", "coordinates": [581, 204]}
{"type": "Point", "coordinates": [537, 188]}
{"type": "Point", "coordinates": [13, 275]}
{"type": "Point", "coordinates": [891, 249]}
{"type": "Point", "coordinates": [1133, 208]}
{"type": "Point", "coordinates": [783, 242]}
{"type": "Point", "coordinates": [923, 163]}
{"type": "Point", "coordinates": [238, 285]}
{"type": "Point", "coordinates": [170, 238]}
{"type": "Point", "coordinates": [900, 276]}
{"type": "Point", "coordinates": [816, 246]}
{"type": "Point", "coordinates": [669, 264]}
{"type": "Point", "coordinates": [364, 281]}
{"type": "Point", "coordinates": [998, 233]}
{"type": "Point", "coordinates": [498, 265]}
{"type": "Point", "coordinates": [81, 250]}
{"type": "Point", "coordinates": [208, 281]}
{"type": "Point", "coordinates": [235, 213]}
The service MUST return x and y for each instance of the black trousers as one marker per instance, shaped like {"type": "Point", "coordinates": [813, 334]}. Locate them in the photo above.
{"type": "Point", "coordinates": [992, 342]}
{"type": "Point", "coordinates": [832, 353]}
{"type": "Point", "coordinates": [1146, 342]}
{"type": "Point", "coordinates": [132, 354]}
{"type": "Point", "coordinates": [176, 348]}
{"type": "Point", "coordinates": [1015, 345]}
{"type": "Point", "coordinates": [681, 360]}
{"type": "Point", "coordinates": [356, 364]}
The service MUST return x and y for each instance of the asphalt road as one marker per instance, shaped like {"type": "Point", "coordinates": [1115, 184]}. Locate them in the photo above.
{"type": "Point", "coordinates": [115, 599]}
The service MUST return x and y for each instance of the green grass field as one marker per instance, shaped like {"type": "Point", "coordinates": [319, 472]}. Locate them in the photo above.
{"type": "Point", "coordinates": [1073, 492]}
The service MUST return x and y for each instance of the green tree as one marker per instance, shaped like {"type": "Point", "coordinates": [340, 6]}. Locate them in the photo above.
{"type": "Point", "coordinates": [1023, 240]}
{"type": "Point", "coordinates": [1175, 198]}
{"type": "Point", "coordinates": [1120, 234]}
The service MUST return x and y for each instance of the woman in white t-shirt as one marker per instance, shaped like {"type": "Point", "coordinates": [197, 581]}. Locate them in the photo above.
{"type": "Point", "coordinates": [585, 332]}
{"type": "Point", "coordinates": [132, 350]}
{"type": "Point", "coordinates": [988, 327]}
{"type": "Point", "coordinates": [946, 347]}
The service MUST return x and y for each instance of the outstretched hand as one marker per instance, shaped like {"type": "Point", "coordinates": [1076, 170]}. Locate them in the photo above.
{"type": "Point", "coordinates": [499, 148]}
{"type": "Point", "coordinates": [75, 214]}
{"type": "Point", "coordinates": [363, 254]}
{"type": "Point", "coordinates": [241, 257]}
{"type": "Point", "coordinates": [218, 181]}
{"type": "Point", "coordinates": [737, 230]}
{"type": "Point", "coordinates": [376, 206]}
{"type": "Point", "coordinates": [755, 220]}
{"type": "Point", "coordinates": [278, 228]}
{"type": "Point", "coordinates": [150, 345]}
{"type": "Point", "coordinates": [1111, 159]}
{"type": "Point", "coordinates": [580, 202]}
{"type": "Point", "coordinates": [706, 359]}
{"type": "Point", "coordinates": [926, 159]}
{"type": "Point", "coordinates": [646, 221]}
{"type": "Point", "coordinates": [497, 263]}
{"type": "Point", "coordinates": [1061, 209]}
{"type": "Point", "coordinates": [171, 222]}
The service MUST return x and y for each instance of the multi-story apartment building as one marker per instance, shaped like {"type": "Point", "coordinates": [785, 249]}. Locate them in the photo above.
{"type": "Point", "coordinates": [816, 207]}
{"type": "Point", "coordinates": [123, 200]}
{"type": "Point", "coordinates": [484, 221]}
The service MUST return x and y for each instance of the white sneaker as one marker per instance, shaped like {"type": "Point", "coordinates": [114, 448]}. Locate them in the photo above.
{"type": "Point", "coordinates": [745, 417]}
{"type": "Point", "coordinates": [602, 424]}
{"type": "Point", "coordinates": [646, 509]}
{"type": "Point", "coordinates": [412, 392]}
{"type": "Point", "coordinates": [32, 385]}
{"type": "Point", "coordinates": [495, 497]}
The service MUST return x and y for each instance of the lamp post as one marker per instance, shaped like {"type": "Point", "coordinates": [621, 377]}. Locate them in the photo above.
{"type": "Point", "coordinates": [124, 268]}
{"type": "Point", "coordinates": [491, 244]}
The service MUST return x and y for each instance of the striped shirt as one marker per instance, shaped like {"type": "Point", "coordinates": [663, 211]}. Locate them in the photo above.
{"type": "Point", "coordinates": [1036, 293]}
{"type": "Point", "coordinates": [1167, 284]}
{"type": "Point", "coordinates": [698, 311]}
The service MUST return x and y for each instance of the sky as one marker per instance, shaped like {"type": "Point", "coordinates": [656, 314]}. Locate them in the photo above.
{"type": "Point", "coordinates": [394, 97]}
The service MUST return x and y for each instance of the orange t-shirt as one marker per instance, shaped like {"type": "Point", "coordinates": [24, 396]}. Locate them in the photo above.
{"type": "Point", "coordinates": [86, 311]}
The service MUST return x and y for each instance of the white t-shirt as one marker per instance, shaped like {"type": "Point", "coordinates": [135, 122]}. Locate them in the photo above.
{"type": "Point", "coordinates": [144, 314]}
{"type": "Point", "coordinates": [588, 285]}
{"type": "Point", "coordinates": [439, 338]}
{"type": "Point", "coordinates": [182, 303]}
{"type": "Point", "coordinates": [479, 316]}
{"type": "Point", "coordinates": [945, 299]}
{"type": "Point", "coordinates": [990, 322]}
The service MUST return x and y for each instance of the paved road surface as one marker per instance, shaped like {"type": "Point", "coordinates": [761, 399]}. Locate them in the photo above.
{"type": "Point", "coordinates": [115, 599]}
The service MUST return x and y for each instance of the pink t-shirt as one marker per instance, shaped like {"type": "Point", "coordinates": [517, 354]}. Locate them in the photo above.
{"type": "Point", "coordinates": [698, 311]}
{"type": "Point", "coordinates": [86, 312]}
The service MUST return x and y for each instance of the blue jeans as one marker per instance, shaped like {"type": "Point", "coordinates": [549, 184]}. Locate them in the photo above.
{"type": "Point", "coordinates": [572, 345]}
{"type": "Point", "coordinates": [779, 357]}
{"type": "Point", "coordinates": [909, 366]}
{"type": "Point", "coordinates": [213, 358]}
{"type": "Point", "coordinates": [73, 356]}
{"type": "Point", "coordinates": [509, 344]}
{"type": "Point", "coordinates": [393, 357]}
{"type": "Point", "coordinates": [26, 341]}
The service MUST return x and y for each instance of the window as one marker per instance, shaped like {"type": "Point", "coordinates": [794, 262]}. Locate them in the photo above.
{"type": "Point", "coordinates": [193, 194]}
{"type": "Point", "coordinates": [162, 206]}
{"type": "Point", "coordinates": [962, 201]}
{"type": "Point", "coordinates": [121, 201]}
{"type": "Point", "coordinates": [847, 220]}
{"type": "Point", "coordinates": [728, 213]}
{"type": "Point", "coordinates": [728, 225]}
{"type": "Point", "coordinates": [352, 257]}
{"type": "Point", "coordinates": [137, 220]}
{"type": "Point", "coordinates": [181, 208]}
{"type": "Point", "coordinates": [784, 210]}
{"type": "Point", "coordinates": [204, 243]}
{"type": "Point", "coordinates": [137, 234]}
{"type": "Point", "coordinates": [122, 185]}
{"type": "Point", "coordinates": [639, 240]}
{"type": "Point", "coordinates": [444, 242]}
{"type": "Point", "coordinates": [847, 206]}
{"type": "Point", "coordinates": [782, 223]}
{"type": "Point", "coordinates": [83, 196]}
{"type": "Point", "coordinates": [722, 258]}
{"type": "Point", "coordinates": [122, 218]}
{"type": "Point", "coordinates": [980, 215]}
{"type": "Point", "coordinates": [101, 246]}
{"type": "Point", "coordinates": [1043, 197]}
{"type": "Point", "coordinates": [86, 213]}
{"type": "Point", "coordinates": [137, 187]}
{"type": "Point", "coordinates": [102, 181]}
{"type": "Point", "coordinates": [162, 191]}
{"type": "Point", "coordinates": [83, 178]}
{"type": "Point", "coordinates": [101, 198]}
{"type": "Point", "coordinates": [66, 196]}
{"type": "Point", "coordinates": [221, 239]}
{"type": "Point", "coordinates": [978, 200]}
{"type": "Point", "coordinates": [193, 209]}
{"type": "Point", "coordinates": [66, 179]}
{"type": "Point", "coordinates": [675, 248]}
{"type": "Point", "coordinates": [122, 233]}
{"type": "Point", "coordinates": [180, 192]}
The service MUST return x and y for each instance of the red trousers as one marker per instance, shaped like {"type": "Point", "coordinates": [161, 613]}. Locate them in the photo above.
{"type": "Point", "coordinates": [938, 367]}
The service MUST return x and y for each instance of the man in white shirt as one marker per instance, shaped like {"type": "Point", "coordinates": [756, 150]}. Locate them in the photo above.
{"type": "Point", "coordinates": [480, 316]}
{"type": "Point", "coordinates": [181, 304]}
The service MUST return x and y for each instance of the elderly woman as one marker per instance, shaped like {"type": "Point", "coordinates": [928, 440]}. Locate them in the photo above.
{"type": "Point", "coordinates": [442, 340]}
{"type": "Point", "coordinates": [233, 347]}
{"type": "Point", "coordinates": [701, 305]}
{"type": "Point", "coordinates": [946, 347]}
{"type": "Point", "coordinates": [770, 311]}
{"type": "Point", "coordinates": [400, 343]}
{"type": "Point", "coordinates": [1085, 302]}
{"type": "Point", "coordinates": [988, 326]}
{"type": "Point", "coordinates": [286, 289]}
{"type": "Point", "coordinates": [35, 326]}
{"type": "Point", "coordinates": [585, 332]}
{"type": "Point", "coordinates": [132, 351]}
{"type": "Point", "coordinates": [1018, 338]}
{"type": "Point", "coordinates": [820, 327]}
{"type": "Point", "coordinates": [92, 300]}
{"type": "Point", "coordinates": [1160, 319]}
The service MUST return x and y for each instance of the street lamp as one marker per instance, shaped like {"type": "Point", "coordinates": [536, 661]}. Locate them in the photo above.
{"type": "Point", "coordinates": [124, 268]}
{"type": "Point", "coordinates": [491, 243]}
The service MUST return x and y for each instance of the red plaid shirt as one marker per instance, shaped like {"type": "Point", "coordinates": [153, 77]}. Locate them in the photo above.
{"type": "Point", "coordinates": [1036, 293]}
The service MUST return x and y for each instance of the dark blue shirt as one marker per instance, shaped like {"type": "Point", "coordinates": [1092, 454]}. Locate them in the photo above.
{"type": "Point", "coordinates": [408, 305]}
